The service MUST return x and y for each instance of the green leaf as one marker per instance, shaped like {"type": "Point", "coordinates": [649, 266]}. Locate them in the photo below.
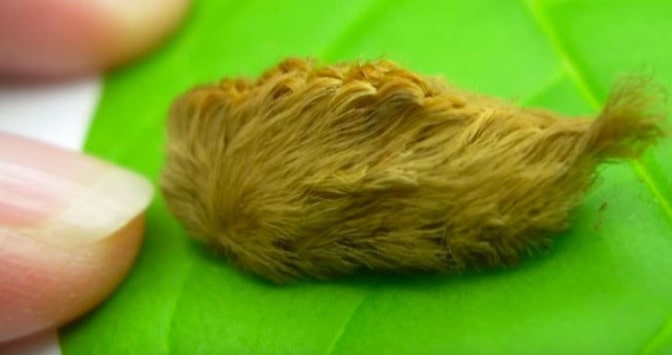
{"type": "Point", "coordinates": [604, 287]}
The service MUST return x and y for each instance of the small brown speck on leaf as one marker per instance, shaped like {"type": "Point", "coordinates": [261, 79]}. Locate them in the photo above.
{"type": "Point", "coordinates": [315, 171]}
{"type": "Point", "coordinates": [597, 224]}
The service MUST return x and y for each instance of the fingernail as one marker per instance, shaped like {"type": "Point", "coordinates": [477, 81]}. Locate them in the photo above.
{"type": "Point", "coordinates": [143, 24]}
{"type": "Point", "coordinates": [47, 191]}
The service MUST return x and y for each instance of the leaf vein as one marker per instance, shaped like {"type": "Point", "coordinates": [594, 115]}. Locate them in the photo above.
{"type": "Point", "coordinates": [589, 94]}
{"type": "Point", "coordinates": [346, 324]}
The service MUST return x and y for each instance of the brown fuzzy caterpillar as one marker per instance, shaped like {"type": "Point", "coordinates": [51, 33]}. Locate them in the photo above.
{"type": "Point", "coordinates": [320, 171]}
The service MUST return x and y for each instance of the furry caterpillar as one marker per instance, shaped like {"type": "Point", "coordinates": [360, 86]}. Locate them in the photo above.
{"type": "Point", "coordinates": [319, 171]}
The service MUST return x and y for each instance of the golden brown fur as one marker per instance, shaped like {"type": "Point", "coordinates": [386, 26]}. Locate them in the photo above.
{"type": "Point", "coordinates": [320, 171]}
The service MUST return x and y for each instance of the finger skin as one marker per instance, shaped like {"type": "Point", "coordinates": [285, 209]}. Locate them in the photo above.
{"type": "Point", "coordinates": [61, 38]}
{"type": "Point", "coordinates": [45, 285]}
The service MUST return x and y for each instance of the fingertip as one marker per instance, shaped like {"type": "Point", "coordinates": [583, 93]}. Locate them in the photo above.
{"type": "Point", "coordinates": [47, 285]}
{"type": "Point", "coordinates": [59, 38]}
